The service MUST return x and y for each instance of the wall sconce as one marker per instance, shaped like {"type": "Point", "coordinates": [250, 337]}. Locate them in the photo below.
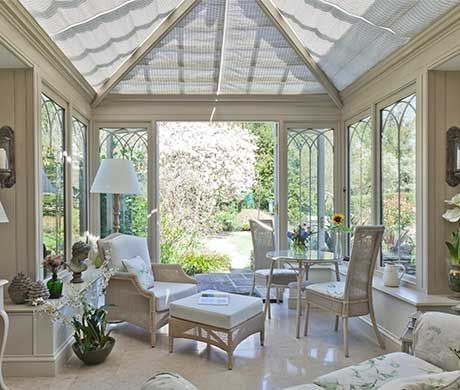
{"type": "Point", "coordinates": [7, 164]}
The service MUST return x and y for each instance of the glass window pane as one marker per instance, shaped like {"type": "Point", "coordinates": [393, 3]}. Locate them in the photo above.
{"type": "Point", "coordinates": [52, 176]}
{"type": "Point", "coordinates": [131, 144]}
{"type": "Point", "coordinates": [311, 182]}
{"type": "Point", "coordinates": [398, 134]}
{"type": "Point", "coordinates": [360, 173]}
{"type": "Point", "coordinates": [79, 180]}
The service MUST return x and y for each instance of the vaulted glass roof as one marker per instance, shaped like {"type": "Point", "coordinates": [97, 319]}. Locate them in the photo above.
{"type": "Point", "coordinates": [232, 46]}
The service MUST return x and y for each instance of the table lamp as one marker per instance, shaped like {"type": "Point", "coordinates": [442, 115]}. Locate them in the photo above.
{"type": "Point", "coordinates": [3, 217]}
{"type": "Point", "coordinates": [117, 177]}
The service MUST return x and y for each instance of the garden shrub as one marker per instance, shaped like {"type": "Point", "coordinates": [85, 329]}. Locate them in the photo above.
{"type": "Point", "coordinates": [204, 262]}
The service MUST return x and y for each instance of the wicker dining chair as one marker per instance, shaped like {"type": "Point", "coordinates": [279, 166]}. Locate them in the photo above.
{"type": "Point", "coordinates": [353, 297]}
{"type": "Point", "coordinates": [263, 241]}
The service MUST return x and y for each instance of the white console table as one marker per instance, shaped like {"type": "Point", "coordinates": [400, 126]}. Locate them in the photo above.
{"type": "Point", "coordinates": [4, 318]}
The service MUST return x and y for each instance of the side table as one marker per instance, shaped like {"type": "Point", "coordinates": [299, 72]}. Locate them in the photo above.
{"type": "Point", "coordinates": [4, 318]}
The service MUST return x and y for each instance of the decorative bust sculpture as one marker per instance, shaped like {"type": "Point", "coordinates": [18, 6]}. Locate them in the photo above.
{"type": "Point", "coordinates": [77, 265]}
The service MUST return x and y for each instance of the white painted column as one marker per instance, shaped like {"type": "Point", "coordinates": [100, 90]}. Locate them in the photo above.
{"type": "Point", "coordinates": [4, 318]}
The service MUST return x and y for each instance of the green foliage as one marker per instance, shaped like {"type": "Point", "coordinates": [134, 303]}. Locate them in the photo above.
{"type": "Point", "coordinates": [454, 247]}
{"type": "Point", "coordinates": [202, 262]}
{"type": "Point", "coordinates": [263, 188]}
{"type": "Point", "coordinates": [90, 330]}
{"type": "Point", "coordinates": [226, 219]}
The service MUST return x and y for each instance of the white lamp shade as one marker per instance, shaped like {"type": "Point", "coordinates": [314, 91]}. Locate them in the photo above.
{"type": "Point", "coordinates": [116, 176]}
{"type": "Point", "coordinates": [3, 217]}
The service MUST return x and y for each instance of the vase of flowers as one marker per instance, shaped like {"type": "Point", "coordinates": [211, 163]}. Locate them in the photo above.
{"type": "Point", "coordinates": [53, 264]}
{"type": "Point", "coordinates": [452, 215]}
{"type": "Point", "coordinates": [338, 228]}
{"type": "Point", "coordinates": [299, 238]}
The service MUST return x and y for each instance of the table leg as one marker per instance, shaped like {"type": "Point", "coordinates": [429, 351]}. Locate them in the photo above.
{"type": "Point", "coordinates": [299, 298]}
{"type": "Point", "coordinates": [337, 272]}
{"type": "Point", "coordinates": [267, 295]}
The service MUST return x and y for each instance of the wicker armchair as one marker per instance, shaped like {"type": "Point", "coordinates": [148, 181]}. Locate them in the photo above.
{"type": "Point", "coordinates": [263, 241]}
{"type": "Point", "coordinates": [148, 309]}
{"type": "Point", "coordinates": [353, 297]}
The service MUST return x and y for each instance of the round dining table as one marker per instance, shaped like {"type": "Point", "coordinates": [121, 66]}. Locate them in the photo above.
{"type": "Point", "coordinates": [303, 260]}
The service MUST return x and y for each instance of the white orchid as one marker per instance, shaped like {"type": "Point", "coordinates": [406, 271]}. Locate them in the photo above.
{"type": "Point", "coordinates": [455, 201]}
{"type": "Point", "coordinates": [452, 215]}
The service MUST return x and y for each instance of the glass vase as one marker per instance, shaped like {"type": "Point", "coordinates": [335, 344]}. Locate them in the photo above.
{"type": "Point", "coordinates": [338, 247]}
{"type": "Point", "coordinates": [298, 248]}
{"type": "Point", "coordinates": [55, 286]}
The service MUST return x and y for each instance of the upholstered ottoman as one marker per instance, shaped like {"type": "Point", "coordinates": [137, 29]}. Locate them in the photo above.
{"type": "Point", "coordinates": [222, 326]}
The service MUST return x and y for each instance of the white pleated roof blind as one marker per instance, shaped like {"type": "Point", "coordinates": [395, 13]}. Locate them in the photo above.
{"type": "Point", "coordinates": [187, 60]}
{"type": "Point", "coordinates": [232, 46]}
{"type": "Point", "coordinates": [98, 35]}
{"type": "Point", "coordinates": [349, 37]}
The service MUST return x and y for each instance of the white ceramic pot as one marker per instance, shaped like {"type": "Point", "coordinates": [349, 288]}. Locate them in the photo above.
{"type": "Point", "coordinates": [392, 274]}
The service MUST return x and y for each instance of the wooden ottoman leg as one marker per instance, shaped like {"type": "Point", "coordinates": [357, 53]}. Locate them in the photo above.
{"type": "Point", "coordinates": [262, 337]}
{"type": "Point", "coordinates": [230, 351]}
{"type": "Point", "coordinates": [171, 344]}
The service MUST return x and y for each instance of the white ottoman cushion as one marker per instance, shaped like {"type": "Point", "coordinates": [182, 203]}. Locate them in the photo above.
{"type": "Point", "coordinates": [167, 292]}
{"type": "Point", "coordinates": [239, 309]}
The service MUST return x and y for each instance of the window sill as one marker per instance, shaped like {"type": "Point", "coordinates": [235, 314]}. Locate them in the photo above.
{"type": "Point", "coordinates": [409, 294]}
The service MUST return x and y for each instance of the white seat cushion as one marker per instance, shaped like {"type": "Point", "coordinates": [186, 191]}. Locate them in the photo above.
{"type": "Point", "coordinates": [373, 373]}
{"type": "Point", "coordinates": [303, 285]}
{"type": "Point", "coordinates": [167, 292]}
{"type": "Point", "coordinates": [331, 289]}
{"type": "Point", "coordinates": [127, 247]}
{"type": "Point", "coordinates": [309, 386]}
{"type": "Point", "coordinates": [144, 272]}
{"type": "Point", "coordinates": [239, 309]}
{"type": "Point", "coordinates": [281, 276]}
{"type": "Point", "coordinates": [276, 271]}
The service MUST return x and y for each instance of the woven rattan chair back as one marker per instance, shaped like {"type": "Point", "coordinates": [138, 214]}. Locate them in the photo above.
{"type": "Point", "coordinates": [263, 241]}
{"type": "Point", "coordinates": [366, 247]}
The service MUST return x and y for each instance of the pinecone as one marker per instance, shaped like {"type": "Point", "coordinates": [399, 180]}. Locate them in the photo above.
{"type": "Point", "coordinates": [37, 291]}
{"type": "Point", "coordinates": [18, 290]}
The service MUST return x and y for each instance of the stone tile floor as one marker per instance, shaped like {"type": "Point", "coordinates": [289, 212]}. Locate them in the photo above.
{"type": "Point", "coordinates": [284, 361]}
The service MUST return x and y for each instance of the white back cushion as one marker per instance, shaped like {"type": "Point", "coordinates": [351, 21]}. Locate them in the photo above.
{"type": "Point", "coordinates": [434, 336]}
{"type": "Point", "coordinates": [144, 272]}
{"type": "Point", "coordinates": [127, 247]}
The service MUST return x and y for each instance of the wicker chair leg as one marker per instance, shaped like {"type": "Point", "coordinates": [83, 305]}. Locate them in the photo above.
{"type": "Point", "coordinates": [376, 329]}
{"type": "Point", "coordinates": [253, 289]}
{"type": "Point", "coordinates": [153, 338]}
{"type": "Point", "coordinates": [307, 314]}
{"type": "Point", "coordinates": [336, 326]}
{"type": "Point", "coordinates": [345, 336]}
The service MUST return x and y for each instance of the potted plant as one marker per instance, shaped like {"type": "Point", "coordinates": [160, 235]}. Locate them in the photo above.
{"type": "Point", "coordinates": [93, 342]}
{"type": "Point", "coordinates": [53, 263]}
{"type": "Point", "coordinates": [338, 228]}
{"type": "Point", "coordinates": [300, 238]}
{"type": "Point", "coordinates": [453, 215]}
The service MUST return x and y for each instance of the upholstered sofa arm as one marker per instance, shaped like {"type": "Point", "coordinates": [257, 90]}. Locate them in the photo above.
{"type": "Point", "coordinates": [171, 273]}
{"type": "Point", "coordinates": [435, 335]}
{"type": "Point", "coordinates": [127, 281]}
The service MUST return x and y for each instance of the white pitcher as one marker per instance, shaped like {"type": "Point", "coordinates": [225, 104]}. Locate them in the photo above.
{"type": "Point", "coordinates": [392, 274]}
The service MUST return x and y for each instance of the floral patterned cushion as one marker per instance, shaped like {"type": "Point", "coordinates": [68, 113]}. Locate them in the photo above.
{"type": "Point", "coordinates": [167, 381]}
{"type": "Point", "coordinates": [434, 336]}
{"type": "Point", "coordinates": [373, 373]}
{"type": "Point", "coordinates": [443, 381]}
{"type": "Point", "coordinates": [144, 273]}
{"type": "Point", "coordinates": [309, 386]}
{"type": "Point", "coordinates": [332, 289]}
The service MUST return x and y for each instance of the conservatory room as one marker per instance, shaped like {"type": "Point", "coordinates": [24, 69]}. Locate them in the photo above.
{"type": "Point", "coordinates": [249, 194]}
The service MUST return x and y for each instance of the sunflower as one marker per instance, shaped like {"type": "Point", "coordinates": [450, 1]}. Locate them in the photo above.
{"type": "Point", "coordinates": [338, 219]}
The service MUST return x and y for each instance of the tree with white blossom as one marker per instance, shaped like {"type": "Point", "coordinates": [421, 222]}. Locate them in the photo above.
{"type": "Point", "coordinates": [203, 166]}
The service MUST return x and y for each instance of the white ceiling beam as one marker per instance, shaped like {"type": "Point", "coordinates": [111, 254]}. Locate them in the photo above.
{"type": "Point", "coordinates": [149, 43]}
{"type": "Point", "coordinates": [277, 18]}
